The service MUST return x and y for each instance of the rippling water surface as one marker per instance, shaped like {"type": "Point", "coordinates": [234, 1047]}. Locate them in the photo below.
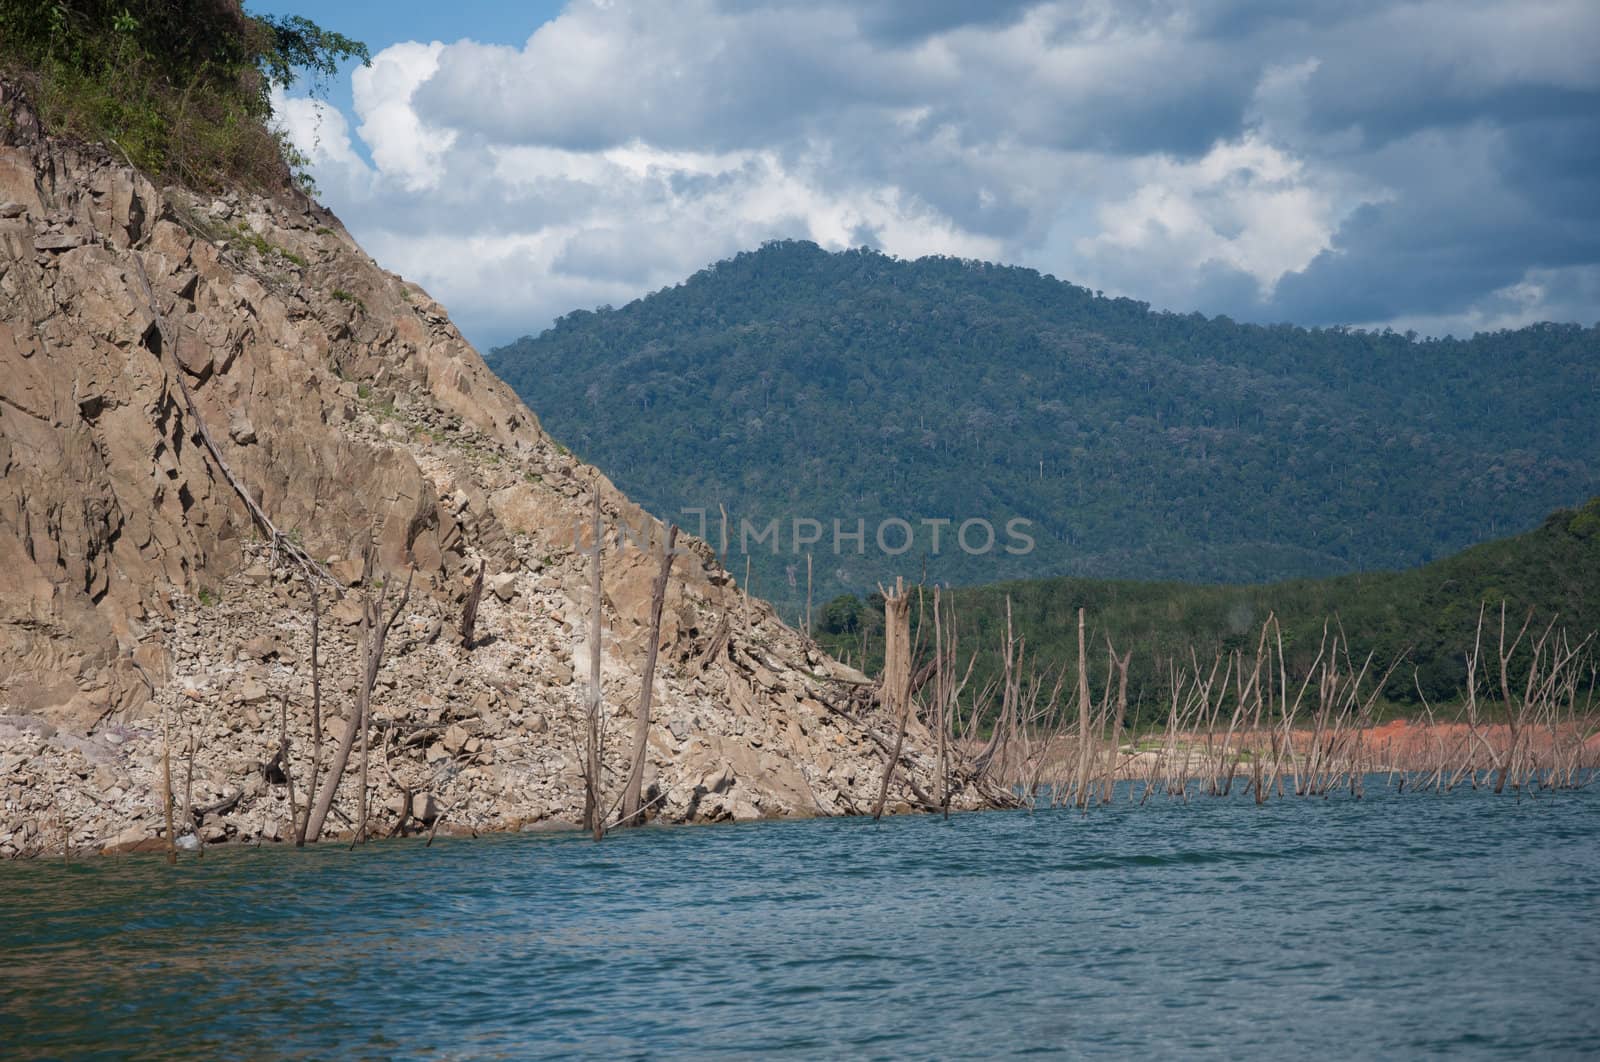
{"type": "Point", "coordinates": [1389, 926]}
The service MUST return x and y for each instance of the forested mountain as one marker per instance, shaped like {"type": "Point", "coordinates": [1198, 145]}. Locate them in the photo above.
{"type": "Point", "coordinates": [1426, 617]}
{"type": "Point", "coordinates": [793, 383]}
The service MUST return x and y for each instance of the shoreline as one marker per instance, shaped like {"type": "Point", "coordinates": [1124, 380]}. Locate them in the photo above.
{"type": "Point", "coordinates": [1193, 787]}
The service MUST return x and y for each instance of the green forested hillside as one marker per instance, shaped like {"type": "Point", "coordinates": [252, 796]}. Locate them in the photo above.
{"type": "Point", "coordinates": [1428, 614]}
{"type": "Point", "coordinates": [794, 383]}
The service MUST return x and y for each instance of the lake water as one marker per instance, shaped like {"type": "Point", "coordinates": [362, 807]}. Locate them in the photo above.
{"type": "Point", "coordinates": [1393, 926]}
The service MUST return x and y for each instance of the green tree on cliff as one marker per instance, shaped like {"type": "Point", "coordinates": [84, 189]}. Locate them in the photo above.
{"type": "Point", "coordinates": [182, 86]}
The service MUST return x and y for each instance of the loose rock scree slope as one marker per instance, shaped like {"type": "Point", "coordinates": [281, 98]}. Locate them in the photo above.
{"type": "Point", "coordinates": [136, 586]}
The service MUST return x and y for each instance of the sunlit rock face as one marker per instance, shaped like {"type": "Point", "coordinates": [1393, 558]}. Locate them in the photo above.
{"type": "Point", "coordinates": [139, 595]}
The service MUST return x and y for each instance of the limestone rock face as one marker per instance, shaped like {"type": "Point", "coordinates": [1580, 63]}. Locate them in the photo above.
{"type": "Point", "coordinates": [135, 583]}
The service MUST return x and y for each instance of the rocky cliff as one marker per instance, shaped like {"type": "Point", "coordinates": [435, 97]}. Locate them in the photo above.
{"type": "Point", "coordinates": [139, 591]}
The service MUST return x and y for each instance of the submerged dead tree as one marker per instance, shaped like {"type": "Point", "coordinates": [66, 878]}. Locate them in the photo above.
{"type": "Point", "coordinates": [1119, 665]}
{"type": "Point", "coordinates": [316, 714]}
{"type": "Point", "coordinates": [166, 785]}
{"type": "Point", "coordinates": [896, 676]}
{"type": "Point", "coordinates": [1080, 785]}
{"type": "Point", "coordinates": [283, 765]}
{"type": "Point", "coordinates": [941, 701]}
{"type": "Point", "coordinates": [593, 818]}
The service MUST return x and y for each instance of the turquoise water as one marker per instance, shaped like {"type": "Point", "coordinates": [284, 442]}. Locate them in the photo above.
{"type": "Point", "coordinates": [1391, 926]}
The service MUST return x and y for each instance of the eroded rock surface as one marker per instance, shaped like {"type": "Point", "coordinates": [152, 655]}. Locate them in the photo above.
{"type": "Point", "coordinates": [137, 592]}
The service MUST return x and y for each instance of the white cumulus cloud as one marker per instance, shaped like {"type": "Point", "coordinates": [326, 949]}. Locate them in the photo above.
{"type": "Point", "coordinates": [1198, 155]}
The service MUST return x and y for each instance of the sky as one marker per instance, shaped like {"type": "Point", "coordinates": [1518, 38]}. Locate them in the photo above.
{"type": "Point", "coordinates": [1428, 166]}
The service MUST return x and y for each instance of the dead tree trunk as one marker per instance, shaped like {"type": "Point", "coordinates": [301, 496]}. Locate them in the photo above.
{"type": "Point", "coordinates": [896, 677]}
{"type": "Point", "coordinates": [166, 785]}
{"type": "Point", "coordinates": [341, 756]}
{"type": "Point", "coordinates": [1081, 790]}
{"type": "Point", "coordinates": [283, 757]}
{"type": "Point", "coordinates": [1513, 714]}
{"type": "Point", "coordinates": [942, 703]}
{"type": "Point", "coordinates": [1120, 665]}
{"type": "Point", "coordinates": [469, 611]}
{"type": "Point", "coordinates": [190, 823]}
{"type": "Point", "coordinates": [593, 818]}
{"type": "Point", "coordinates": [633, 794]}
{"type": "Point", "coordinates": [316, 714]}
{"type": "Point", "coordinates": [364, 714]}
{"type": "Point", "coordinates": [376, 627]}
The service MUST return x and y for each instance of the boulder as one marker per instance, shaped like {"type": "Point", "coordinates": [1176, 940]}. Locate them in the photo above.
{"type": "Point", "coordinates": [424, 808]}
{"type": "Point", "coordinates": [127, 840]}
{"type": "Point", "coordinates": [347, 570]}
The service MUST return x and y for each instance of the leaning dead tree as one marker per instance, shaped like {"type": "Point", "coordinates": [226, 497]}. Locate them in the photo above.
{"type": "Point", "coordinates": [632, 797]}
{"type": "Point", "coordinates": [375, 624]}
